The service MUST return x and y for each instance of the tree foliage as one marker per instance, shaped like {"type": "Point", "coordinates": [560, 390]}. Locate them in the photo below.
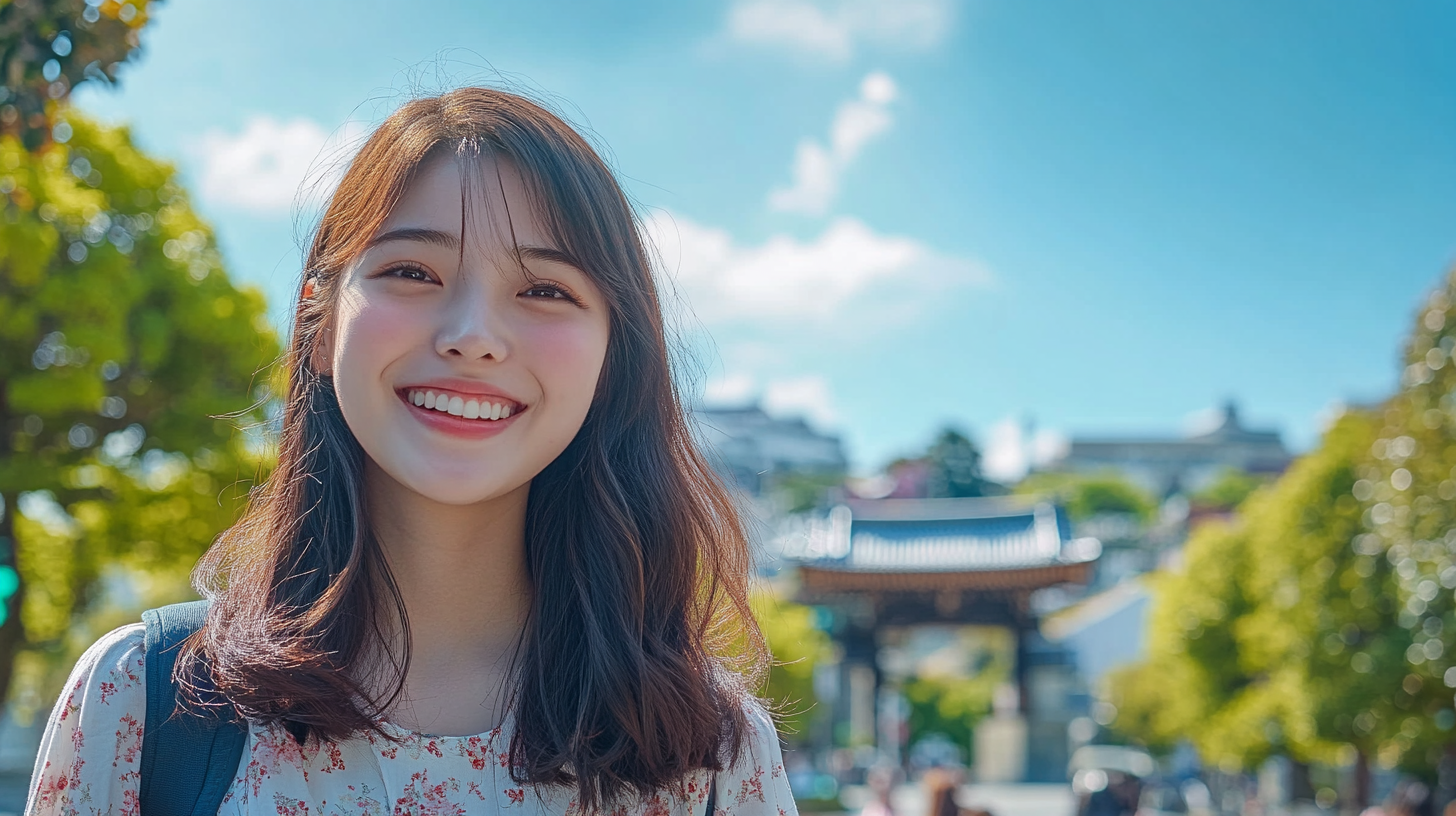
{"type": "Point", "coordinates": [121, 338]}
{"type": "Point", "coordinates": [1228, 490]}
{"type": "Point", "coordinates": [47, 47]}
{"type": "Point", "coordinates": [1405, 490]}
{"type": "Point", "coordinates": [955, 468]}
{"type": "Point", "coordinates": [798, 645]}
{"type": "Point", "coordinates": [952, 706]}
{"type": "Point", "coordinates": [800, 491]}
{"type": "Point", "coordinates": [1320, 621]}
{"type": "Point", "coordinates": [1087, 495]}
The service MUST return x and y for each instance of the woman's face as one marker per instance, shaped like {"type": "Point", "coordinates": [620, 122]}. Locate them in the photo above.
{"type": "Point", "coordinates": [465, 361]}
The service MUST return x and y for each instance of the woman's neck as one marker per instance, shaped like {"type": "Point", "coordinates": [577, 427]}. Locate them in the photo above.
{"type": "Point", "coordinates": [461, 571]}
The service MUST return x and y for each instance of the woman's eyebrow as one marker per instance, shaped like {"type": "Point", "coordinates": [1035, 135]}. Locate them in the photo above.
{"type": "Point", "coordinates": [531, 252]}
{"type": "Point", "coordinates": [420, 234]}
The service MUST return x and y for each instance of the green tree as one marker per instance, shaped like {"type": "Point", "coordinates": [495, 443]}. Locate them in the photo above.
{"type": "Point", "coordinates": [1192, 674]}
{"type": "Point", "coordinates": [1327, 619]}
{"type": "Point", "coordinates": [1229, 489]}
{"type": "Point", "coordinates": [798, 491]}
{"type": "Point", "coordinates": [1278, 634]}
{"type": "Point", "coordinates": [1086, 495]}
{"type": "Point", "coordinates": [121, 338]}
{"type": "Point", "coordinates": [952, 706]}
{"type": "Point", "coordinates": [1406, 494]}
{"type": "Point", "coordinates": [955, 468]}
{"type": "Point", "coordinates": [798, 645]}
{"type": "Point", "coordinates": [47, 47]}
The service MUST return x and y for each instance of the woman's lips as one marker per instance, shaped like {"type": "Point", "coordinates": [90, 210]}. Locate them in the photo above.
{"type": "Point", "coordinates": [460, 426]}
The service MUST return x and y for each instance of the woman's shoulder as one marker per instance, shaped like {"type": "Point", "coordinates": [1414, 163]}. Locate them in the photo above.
{"type": "Point", "coordinates": [91, 749]}
{"type": "Point", "coordinates": [111, 673]}
{"type": "Point", "coordinates": [755, 783]}
{"type": "Point", "coordinates": [759, 717]}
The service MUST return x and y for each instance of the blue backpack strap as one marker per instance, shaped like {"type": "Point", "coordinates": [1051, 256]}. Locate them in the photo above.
{"type": "Point", "coordinates": [189, 759]}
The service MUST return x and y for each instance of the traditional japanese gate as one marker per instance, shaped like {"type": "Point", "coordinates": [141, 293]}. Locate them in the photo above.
{"type": "Point", "coordinates": [883, 564]}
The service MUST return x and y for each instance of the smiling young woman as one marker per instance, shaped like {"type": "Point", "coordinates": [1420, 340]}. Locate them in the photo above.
{"type": "Point", "coordinates": [491, 570]}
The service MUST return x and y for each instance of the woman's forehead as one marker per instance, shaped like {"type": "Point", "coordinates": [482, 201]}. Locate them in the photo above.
{"type": "Point", "coordinates": [484, 196]}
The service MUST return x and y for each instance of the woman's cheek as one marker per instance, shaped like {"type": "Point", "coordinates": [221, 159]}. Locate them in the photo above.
{"type": "Point", "coordinates": [570, 359]}
{"type": "Point", "coordinates": [381, 332]}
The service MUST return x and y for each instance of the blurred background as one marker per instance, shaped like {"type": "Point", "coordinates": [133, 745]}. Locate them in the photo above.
{"type": "Point", "coordinates": [1086, 366]}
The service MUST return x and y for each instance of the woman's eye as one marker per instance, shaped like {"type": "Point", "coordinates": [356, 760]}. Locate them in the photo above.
{"type": "Point", "coordinates": [546, 290]}
{"type": "Point", "coordinates": [406, 272]}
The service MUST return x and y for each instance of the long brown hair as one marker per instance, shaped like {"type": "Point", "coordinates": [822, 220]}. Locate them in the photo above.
{"type": "Point", "coordinates": [639, 642]}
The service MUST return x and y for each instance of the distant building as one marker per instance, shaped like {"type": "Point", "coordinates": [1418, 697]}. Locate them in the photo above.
{"type": "Point", "coordinates": [1173, 465]}
{"type": "Point", "coordinates": [749, 448]}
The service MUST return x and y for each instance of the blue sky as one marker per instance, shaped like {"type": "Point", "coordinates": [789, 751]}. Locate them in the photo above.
{"type": "Point", "coordinates": [894, 214]}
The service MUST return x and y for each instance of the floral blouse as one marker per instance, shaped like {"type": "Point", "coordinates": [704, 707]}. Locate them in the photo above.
{"type": "Point", "coordinates": [90, 763]}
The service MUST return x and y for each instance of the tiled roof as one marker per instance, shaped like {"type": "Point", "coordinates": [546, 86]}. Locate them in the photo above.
{"type": "Point", "coordinates": [931, 535]}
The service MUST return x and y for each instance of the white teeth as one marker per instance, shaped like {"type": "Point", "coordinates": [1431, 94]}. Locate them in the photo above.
{"type": "Point", "coordinates": [458, 406]}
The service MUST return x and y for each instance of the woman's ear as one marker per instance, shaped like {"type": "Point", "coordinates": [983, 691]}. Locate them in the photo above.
{"type": "Point", "coordinates": [322, 358]}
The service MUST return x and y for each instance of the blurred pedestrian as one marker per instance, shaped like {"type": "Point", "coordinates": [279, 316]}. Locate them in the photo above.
{"type": "Point", "coordinates": [881, 781]}
{"type": "Point", "coordinates": [1118, 797]}
{"type": "Point", "coordinates": [1410, 798]}
{"type": "Point", "coordinates": [940, 787]}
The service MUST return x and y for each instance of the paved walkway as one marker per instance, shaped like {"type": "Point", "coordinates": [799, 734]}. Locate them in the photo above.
{"type": "Point", "coordinates": [1001, 800]}
{"type": "Point", "coordinates": [1018, 800]}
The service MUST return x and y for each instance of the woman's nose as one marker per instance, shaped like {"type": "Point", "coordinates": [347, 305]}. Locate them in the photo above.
{"type": "Point", "coordinates": [473, 326]}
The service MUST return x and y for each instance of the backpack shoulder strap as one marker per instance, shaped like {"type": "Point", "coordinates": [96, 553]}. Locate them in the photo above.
{"type": "Point", "coordinates": [189, 759]}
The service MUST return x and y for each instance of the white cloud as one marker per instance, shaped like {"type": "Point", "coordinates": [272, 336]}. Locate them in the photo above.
{"type": "Point", "coordinates": [787, 280]}
{"type": "Point", "coordinates": [807, 396]}
{"type": "Point", "coordinates": [1012, 449]}
{"type": "Point", "coordinates": [817, 168]}
{"type": "Point", "coordinates": [264, 168]}
{"type": "Point", "coordinates": [734, 389]}
{"type": "Point", "coordinates": [834, 30]}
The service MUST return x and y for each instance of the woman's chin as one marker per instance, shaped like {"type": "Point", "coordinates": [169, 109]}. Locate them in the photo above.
{"type": "Point", "coordinates": [462, 492]}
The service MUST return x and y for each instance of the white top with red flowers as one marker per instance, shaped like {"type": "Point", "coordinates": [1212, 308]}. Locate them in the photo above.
{"type": "Point", "coordinates": [90, 763]}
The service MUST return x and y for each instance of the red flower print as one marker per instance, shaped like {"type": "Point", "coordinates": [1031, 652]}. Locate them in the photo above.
{"type": "Point", "coordinates": [517, 795]}
{"type": "Point", "coordinates": [752, 786]}
{"type": "Point", "coordinates": [656, 807]}
{"type": "Point", "coordinates": [70, 704]}
{"type": "Point", "coordinates": [128, 740]}
{"type": "Point", "coordinates": [336, 759]}
{"type": "Point", "coordinates": [287, 806]}
{"type": "Point", "coordinates": [422, 797]}
{"type": "Point", "coordinates": [107, 689]}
